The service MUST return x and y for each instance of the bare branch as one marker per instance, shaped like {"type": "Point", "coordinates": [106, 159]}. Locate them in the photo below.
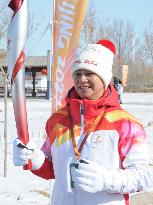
{"type": "Point", "coordinates": [147, 48]}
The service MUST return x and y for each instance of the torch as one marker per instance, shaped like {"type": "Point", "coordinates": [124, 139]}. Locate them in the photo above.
{"type": "Point", "coordinates": [17, 34]}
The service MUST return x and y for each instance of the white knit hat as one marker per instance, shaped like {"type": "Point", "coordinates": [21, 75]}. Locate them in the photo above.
{"type": "Point", "coordinates": [97, 58]}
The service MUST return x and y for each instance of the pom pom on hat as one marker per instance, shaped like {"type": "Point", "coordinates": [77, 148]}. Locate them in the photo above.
{"type": "Point", "coordinates": [97, 58]}
{"type": "Point", "coordinates": [108, 44]}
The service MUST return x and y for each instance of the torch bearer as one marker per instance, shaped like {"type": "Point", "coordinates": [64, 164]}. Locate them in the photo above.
{"type": "Point", "coordinates": [17, 34]}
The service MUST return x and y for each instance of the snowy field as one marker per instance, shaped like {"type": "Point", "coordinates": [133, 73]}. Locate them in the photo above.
{"type": "Point", "coordinates": [22, 187]}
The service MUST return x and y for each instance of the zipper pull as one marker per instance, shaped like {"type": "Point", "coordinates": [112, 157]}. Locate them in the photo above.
{"type": "Point", "coordinates": [81, 109]}
{"type": "Point", "coordinates": [82, 119]}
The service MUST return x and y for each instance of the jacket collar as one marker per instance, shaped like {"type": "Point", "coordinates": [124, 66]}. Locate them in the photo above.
{"type": "Point", "coordinates": [92, 108]}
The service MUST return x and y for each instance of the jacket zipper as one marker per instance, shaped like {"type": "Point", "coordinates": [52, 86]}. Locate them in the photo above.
{"type": "Point", "coordinates": [82, 119]}
{"type": "Point", "coordinates": [76, 193]}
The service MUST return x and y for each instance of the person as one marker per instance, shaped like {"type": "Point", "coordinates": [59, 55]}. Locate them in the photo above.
{"type": "Point", "coordinates": [119, 88]}
{"type": "Point", "coordinates": [95, 150]}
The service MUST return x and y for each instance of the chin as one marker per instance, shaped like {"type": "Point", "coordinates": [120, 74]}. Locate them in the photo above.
{"type": "Point", "coordinates": [86, 97]}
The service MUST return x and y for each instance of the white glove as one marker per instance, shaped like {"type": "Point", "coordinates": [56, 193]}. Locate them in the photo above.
{"type": "Point", "coordinates": [22, 153]}
{"type": "Point", "coordinates": [89, 176]}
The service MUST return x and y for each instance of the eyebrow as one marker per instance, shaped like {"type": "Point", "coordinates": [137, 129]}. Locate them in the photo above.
{"type": "Point", "coordinates": [84, 72]}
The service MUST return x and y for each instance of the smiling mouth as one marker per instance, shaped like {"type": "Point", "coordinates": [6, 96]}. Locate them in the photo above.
{"type": "Point", "coordinates": [84, 87]}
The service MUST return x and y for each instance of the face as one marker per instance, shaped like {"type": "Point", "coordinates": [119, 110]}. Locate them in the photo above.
{"type": "Point", "coordinates": [88, 85]}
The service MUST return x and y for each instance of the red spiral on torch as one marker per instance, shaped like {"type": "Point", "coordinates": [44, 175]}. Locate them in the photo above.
{"type": "Point", "coordinates": [15, 5]}
{"type": "Point", "coordinates": [18, 65]}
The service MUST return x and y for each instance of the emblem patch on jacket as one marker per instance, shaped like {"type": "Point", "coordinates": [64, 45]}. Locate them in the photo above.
{"type": "Point", "coordinates": [96, 140]}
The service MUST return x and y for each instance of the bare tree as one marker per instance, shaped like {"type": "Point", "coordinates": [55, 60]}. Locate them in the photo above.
{"type": "Point", "coordinates": [93, 27]}
{"type": "Point", "coordinates": [6, 82]}
{"type": "Point", "coordinates": [120, 32]}
{"type": "Point", "coordinates": [4, 21]}
{"type": "Point", "coordinates": [35, 32]}
{"type": "Point", "coordinates": [5, 17]}
{"type": "Point", "coordinates": [147, 48]}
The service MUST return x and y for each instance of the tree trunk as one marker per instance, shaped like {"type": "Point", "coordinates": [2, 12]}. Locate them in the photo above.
{"type": "Point", "coordinates": [5, 128]}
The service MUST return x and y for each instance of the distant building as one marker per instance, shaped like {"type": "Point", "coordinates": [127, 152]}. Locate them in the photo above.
{"type": "Point", "coordinates": [35, 73]}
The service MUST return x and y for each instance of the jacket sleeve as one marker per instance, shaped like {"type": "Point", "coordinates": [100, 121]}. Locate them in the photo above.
{"type": "Point", "coordinates": [135, 174]}
{"type": "Point", "coordinates": [45, 171]}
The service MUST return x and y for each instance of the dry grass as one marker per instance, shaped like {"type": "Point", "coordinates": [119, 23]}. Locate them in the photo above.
{"type": "Point", "coordinates": [145, 198]}
{"type": "Point", "coordinates": [44, 193]}
{"type": "Point", "coordinates": [138, 89]}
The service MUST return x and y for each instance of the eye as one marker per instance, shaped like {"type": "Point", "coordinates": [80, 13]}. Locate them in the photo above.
{"type": "Point", "coordinates": [76, 75]}
{"type": "Point", "coordinates": [89, 74]}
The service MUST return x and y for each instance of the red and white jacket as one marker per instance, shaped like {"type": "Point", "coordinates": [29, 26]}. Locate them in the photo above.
{"type": "Point", "coordinates": [117, 142]}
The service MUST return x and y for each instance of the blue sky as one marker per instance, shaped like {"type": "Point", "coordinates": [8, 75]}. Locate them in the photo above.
{"type": "Point", "coordinates": [138, 12]}
{"type": "Point", "coordinates": [40, 42]}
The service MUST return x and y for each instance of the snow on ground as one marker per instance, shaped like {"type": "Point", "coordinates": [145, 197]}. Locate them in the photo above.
{"type": "Point", "coordinates": [21, 187]}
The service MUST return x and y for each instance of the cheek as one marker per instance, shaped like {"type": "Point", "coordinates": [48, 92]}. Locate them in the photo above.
{"type": "Point", "coordinates": [76, 86]}
{"type": "Point", "coordinates": [75, 83]}
{"type": "Point", "coordinates": [97, 88]}
{"type": "Point", "coordinates": [98, 84]}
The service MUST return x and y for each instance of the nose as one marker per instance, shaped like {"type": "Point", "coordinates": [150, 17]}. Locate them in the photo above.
{"type": "Point", "coordinates": [83, 78]}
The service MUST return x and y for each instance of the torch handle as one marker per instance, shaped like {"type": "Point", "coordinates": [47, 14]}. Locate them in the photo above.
{"type": "Point", "coordinates": [19, 105]}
